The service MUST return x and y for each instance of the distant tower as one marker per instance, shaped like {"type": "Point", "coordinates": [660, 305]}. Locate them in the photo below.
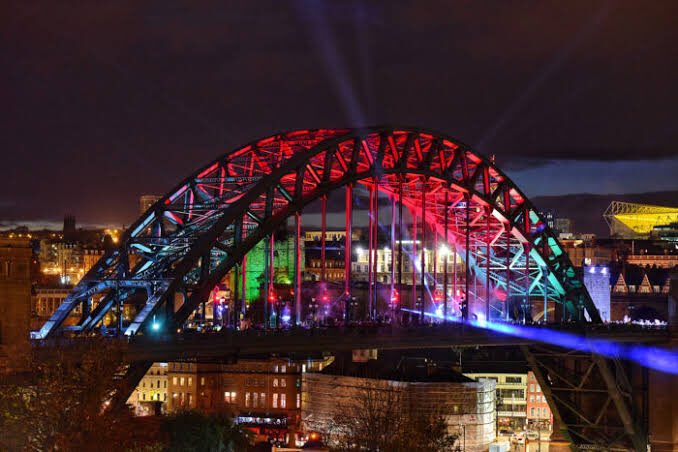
{"type": "Point", "coordinates": [597, 282]}
{"type": "Point", "coordinates": [146, 201]}
{"type": "Point", "coordinates": [70, 233]}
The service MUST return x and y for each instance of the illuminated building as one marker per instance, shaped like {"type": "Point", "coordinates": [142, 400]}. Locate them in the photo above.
{"type": "Point", "coordinates": [419, 386]}
{"type": "Point", "coordinates": [563, 225]}
{"type": "Point", "coordinates": [146, 201]}
{"type": "Point", "coordinates": [15, 300]}
{"type": "Point", "coordinates": [597, 282]}
{"type": "Point", "coordinates": [151, 392]}
{"type": "Point", "coordinates": [359, 268]}
{"type": "Point", "coordinates": [262, 394]}
{"type": "Point", "coordinates": [538, 413]}
{"type": "Point", "coordinates": [628, 220]}
{"type": "Point", "coordinates": [511, 397]}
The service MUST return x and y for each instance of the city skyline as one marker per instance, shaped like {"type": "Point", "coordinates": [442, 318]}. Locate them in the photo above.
{"type": "Point", "coordinates": [128, 100]}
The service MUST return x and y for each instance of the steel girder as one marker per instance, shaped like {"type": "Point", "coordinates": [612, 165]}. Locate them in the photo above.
{"type": "Point", "coordinates": [591, 398]}
{"type": "Point", "coordinates": [191, 238]}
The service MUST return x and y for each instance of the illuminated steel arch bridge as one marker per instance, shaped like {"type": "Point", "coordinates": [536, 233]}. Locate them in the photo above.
{"type": "Point", "coordinates": [187, 242]}
{"type": "Point", "coordinates": [459, 204]}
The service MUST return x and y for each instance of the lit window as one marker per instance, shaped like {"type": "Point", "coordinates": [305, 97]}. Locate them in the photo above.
{"type": "Point", "coordinates": [283, 369]}
{"type": "Point", "coordinates": [275, 382]}
{"type": "Point", "coordinates": [298, 400]}
{"type": "Point", "coordinates": [303, 367]}
{"type": "Point", "coordinates": [532, 388]}
{"type": "Point", "coordinates": [255, 399]}
{"type": "Point", "coordinates": [227, 397]}
{"type": "Point", "coordinates": [247, 399]}
{"type": "Point", "coordinates": [538, 388]}
{"type": "Point", "coordinates": [275, 368]}
{"type": "Point", "coordinates": [202, 381]}
{"type": "Point", "coordinates": [531, 398]}
{"type": "Point", "coordinates": [283, 400]}
{"type": "Point", "coordinates": [262, 399]}
{"type": "Point", "coordinates": [283, 383]}
{"type": "Point", "coordinates": [275, 400]}
{"type": "Point", "coordinates": [190, 381]}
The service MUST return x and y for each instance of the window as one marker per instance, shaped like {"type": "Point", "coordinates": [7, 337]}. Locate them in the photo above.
{"type": "Point", "coordinates": [538, 388]}
{"type": "Point", "coordinates": [190, 381]}
{"type": "Point", "coordinates": [165, 397]}
{"type": "Point", "coordinates": [531, 398]}
{"type": "Point", "coordinates": [513, 380]}
{"type": "Point", "coordinates": [143, 396]}
{"type": "Point", "coordinates": [532, 388]}
{"type": "Point", "coordinates": [227, 397]}
{"type": "Point", "coordinates": [262, 399]}
{"type": "Point", "coordinates": [543, 412]}
{"type": "Point", "coordinates": [158, 384]}
{"type": "Point", "coordinates": [202, 381]}
{"type": "Point", "coordinates": [298, 400]}
{"type": "Point", "coordinates": [247, 399]}
{"type": "Point", "coordinates": [255, 400]}
{"type": "Point", "coordinates": [181, 381]}
{"type": "Point", "coordinates": [275, 368]}
{"type": "Point", "coordinates": [275, 400]}
{"type": "Point", "coordinates": [275, 382]}
{"type": "Point", "coordinates": [283, 369]}
{"type": "Point", "coordinates": [283, 401]}
{"type": "Point", "coordinates": [283, 383]}
{"type": "Point", "coordinates": [165, 384]}
{"type": "Point", "coordinates": [532, 411]}
{"type": "Point", "coordinates": [303, 367]}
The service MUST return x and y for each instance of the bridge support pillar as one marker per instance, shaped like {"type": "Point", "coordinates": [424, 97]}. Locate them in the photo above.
{"type": "Point", "coordinates": [663, 388]}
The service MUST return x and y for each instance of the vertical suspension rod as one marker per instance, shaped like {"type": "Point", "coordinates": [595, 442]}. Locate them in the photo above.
{"type": "Point", "coordinates": [297, 268]}
{"type": "Point", "coordinates": [447, 253]}
{"type": "Point", "coordinates": [323, 227]}
{"type": "Point", "coordinates": [487, 264]}
{"type": "Point", "coordinates": [393, 240]}
{"type": "Point", "coordinates": [467, 265]}
{"type": "Point", "coordinates": [370, 249]}
{"type": "Point", "coordinates": [347, 249]}
{"type": "Point", "coordinates": [422, 289]}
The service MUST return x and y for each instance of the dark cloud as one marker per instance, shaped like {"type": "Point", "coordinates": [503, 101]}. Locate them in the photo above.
{"type": "Point", "coordinates": [103, 101]}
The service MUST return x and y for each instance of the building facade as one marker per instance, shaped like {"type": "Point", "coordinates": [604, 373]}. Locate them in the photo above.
{"type": "Point", "coordinates": [150, 395]}
{"type": "Point", "coordinates": [511, 398]}
{"type": "Point", "coordinates": [15, 301]}
{"type": "Point", "coordinates": [538, 413]}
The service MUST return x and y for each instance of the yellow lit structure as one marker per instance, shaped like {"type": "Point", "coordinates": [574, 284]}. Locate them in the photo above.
{"type": "Point", "coordinates": [628, 220]}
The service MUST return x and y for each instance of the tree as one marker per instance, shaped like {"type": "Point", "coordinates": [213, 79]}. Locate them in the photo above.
{"type": "Point", "coordinates": [63, 400]}
{"type": "Point", "coordinates": [193, 431]}
{"type": "Point", "coordinates": [378, 419]}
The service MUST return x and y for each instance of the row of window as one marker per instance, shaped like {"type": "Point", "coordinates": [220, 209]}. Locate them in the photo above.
{"type": "Point", "coordinates": [543, 412]}
{"type": "Point", "coordinates": [258, 399]}
{"type": "Point", "coordinates": [154, 397]}
{"type": "Point", "coordinates": [538, 398]}
{"type": "Point", "coordinates": [143, 383]}
{"type": "Point", "coordinates": [182, 380]}
{"type": "Point", "coordinates": [532, 388]}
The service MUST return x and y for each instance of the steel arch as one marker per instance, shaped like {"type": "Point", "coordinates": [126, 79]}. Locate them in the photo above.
{"type": "Point", "coordinates": [196, 233]}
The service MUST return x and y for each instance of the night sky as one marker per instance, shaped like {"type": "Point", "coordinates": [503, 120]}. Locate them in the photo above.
{"type": "Point", "coordinates": [104, 101]}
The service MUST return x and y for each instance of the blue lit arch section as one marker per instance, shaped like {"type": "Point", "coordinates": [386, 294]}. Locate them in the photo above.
{"type": "Point", "coordinates": [191, 238]}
